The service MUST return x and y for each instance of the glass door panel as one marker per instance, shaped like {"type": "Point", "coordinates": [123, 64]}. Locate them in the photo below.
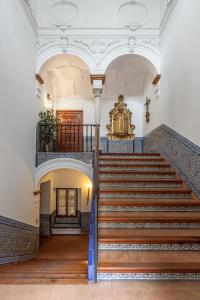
{"type": "Point", "coordinates": [61, 202]}
{"type": "Point", "coordinates": [72, 203]}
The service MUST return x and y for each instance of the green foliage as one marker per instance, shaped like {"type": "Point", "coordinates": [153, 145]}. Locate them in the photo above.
{"type": "Point", "coordinates": [47, 127]}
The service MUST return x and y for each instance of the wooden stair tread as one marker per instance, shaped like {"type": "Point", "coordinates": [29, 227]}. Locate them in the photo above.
{"type": "Point", "coordinates": [129, 154]}
{"type": "Point", "coordinates": [145, 232]}
{"type": "Point", "coordinates": [148, 256]}
{"type": "Point", "coordinates": [146, 190]}
{"type": "Point", "coordinates": [149, 202]}
{"type": "Point", "coordinates": [146, 165]}
{"type": "Point", "coordinates": [148, 219]}
{"type": "Point", "coordinates": [139, 267]}
{"type": "Point", "coordinates": [45, 281]}
{"type": "Point", "coordinates": [129, 159]}
{"type": "Point", "coordinates": [145, 180]}
{"type": "Point", "coordinates": [141, 172]}
{"type": "Point", "coordinates": [149, 239]}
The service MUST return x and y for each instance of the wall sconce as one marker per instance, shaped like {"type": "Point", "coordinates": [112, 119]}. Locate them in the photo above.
{"type": "Point", "coordinates": [88, 192]}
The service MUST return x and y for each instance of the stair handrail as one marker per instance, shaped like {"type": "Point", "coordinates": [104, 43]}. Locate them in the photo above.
{"type": "Point", "coordinates": [93, 230]}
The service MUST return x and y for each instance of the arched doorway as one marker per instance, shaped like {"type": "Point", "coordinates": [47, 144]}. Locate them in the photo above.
{"type": "Point", "coordinates": [65, 187]}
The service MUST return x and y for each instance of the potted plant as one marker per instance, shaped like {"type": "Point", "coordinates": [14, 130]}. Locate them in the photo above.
{"type": "Point", "coordinates": [47, 126]}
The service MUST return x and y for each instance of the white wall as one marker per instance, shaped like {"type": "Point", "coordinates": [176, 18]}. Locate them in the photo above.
{"type": "Point", "coordinates": [52, 205]}
{"type": "Point", "coordinates": [88, 107]}
{"type": "Point", "coordinates": [18, 113]}
{"type": "Point", "coordinates": [45, 197]}
{"type": "Point", "coordinates": [134, 105]}
{"type": "Point", "coordinates": [156, 108]}
{"type": "Point", "coordinates": [179, 105]}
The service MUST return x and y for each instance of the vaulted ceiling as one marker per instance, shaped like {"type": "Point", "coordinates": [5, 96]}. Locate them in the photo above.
{"type": "Point", "coordinates": [67, 76]}
{"type": "Point", "coordinates": [129, 75]}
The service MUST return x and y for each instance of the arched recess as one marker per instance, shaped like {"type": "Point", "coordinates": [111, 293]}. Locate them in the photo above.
{"type": "Point", "coordinates": [62, 163]}
{"type": "Point", "coordinates": [120, 51]}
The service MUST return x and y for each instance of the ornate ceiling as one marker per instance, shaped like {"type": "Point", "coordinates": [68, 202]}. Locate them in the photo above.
{"type": "Point", "coordinates": [145, 16]}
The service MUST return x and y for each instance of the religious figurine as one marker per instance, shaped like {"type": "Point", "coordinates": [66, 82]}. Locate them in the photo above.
{"type": "Point", "coordinates": [147, 115]}
{"type": "Point", "coordinates": [120, 127]}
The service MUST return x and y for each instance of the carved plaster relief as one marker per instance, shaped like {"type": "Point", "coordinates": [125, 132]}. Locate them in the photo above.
{"type": "Point", "coordinates": [99, 53]}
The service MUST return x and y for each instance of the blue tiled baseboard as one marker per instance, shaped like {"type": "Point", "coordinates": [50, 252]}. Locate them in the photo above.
{"type": "Point", "coordinates": [18, 241]}
{"type": "Point", "coordinates": [183, 154]}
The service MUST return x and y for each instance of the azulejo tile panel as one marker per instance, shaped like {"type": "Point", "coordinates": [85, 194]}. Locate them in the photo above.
{"type": "Point", "coordinates": [183, 154]}
{"type": "Point", "coordinates": [148, 276]}
{"type": "Point", "coordinates": [18, 241]}
{"type": "Point", "coordinates": [42, 157]}
{"type": "Point", "coordinates": [151, 247]}
{"type": "Point", "coordinates": [149, 225]}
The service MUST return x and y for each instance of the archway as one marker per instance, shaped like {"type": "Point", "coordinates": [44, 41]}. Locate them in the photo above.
{"type": "Point", "coordinates": [65, 202]}
{"type": "Point", "coordinates": [62, 163]}
{"type": "Point", "coordinates": [66, 82]}
{"type": "Point", "coordinates": [130, 75]}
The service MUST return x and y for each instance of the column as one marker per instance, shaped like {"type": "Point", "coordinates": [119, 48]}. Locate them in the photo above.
{"type": "Point", "coordinates": [97, 83]}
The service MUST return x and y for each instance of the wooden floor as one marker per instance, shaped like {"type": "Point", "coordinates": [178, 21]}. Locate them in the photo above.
{"type": "Point", "coordinates": [62, 260]}
{"type": "Point", "coordinates": [133, 290]}
{"type": "Point", "coordinates": [64, 247]}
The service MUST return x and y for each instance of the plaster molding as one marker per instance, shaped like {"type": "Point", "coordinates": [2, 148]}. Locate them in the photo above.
{"type": "Point", "coordinates": [98, 53]}
{"type": "Point", "coordinates": [28, 9]}
{"type": "Point", "coordinates": [62, 163]}
{"type": "Point", "coordinates": [171, 4]}
{"type": "Point", "coordinates": [71, 10]}
{"type": "Point", "coordinates": [97, 92]}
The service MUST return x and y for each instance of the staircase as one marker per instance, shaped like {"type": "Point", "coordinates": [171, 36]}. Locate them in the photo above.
{"type": "Point", "coordinates": [148, 221]}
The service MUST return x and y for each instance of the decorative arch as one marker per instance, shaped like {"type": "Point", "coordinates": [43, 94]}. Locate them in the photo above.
{"type": "Point", "coordinates": [142, 51]}
{"type": "Point", "coordinates": [98, 53]}
{"type": "Point", "coordinates": [53, 48]}
{"type": "Point", "coordinates": [62, 163]}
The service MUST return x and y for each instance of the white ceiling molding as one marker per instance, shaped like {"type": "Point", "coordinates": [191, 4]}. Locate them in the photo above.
{"type": "Point", "coordinates": [98, 53]}
{"type": "Point", "coordinates": [28, 9]}
{"type": "Point", "coordinates": [171, 4]}
{"type": "Point", "coordinates": [133, 15]}
{"type": "Point", "coordinates": [58, 26]}
{"type": "Point", "coordinates": [63, 14]}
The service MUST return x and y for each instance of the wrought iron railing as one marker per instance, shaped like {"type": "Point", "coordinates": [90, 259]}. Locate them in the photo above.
{"type": "Point", "coordinates": [66, 138]}
{"type": "Point", "coordinates": [93, 237]}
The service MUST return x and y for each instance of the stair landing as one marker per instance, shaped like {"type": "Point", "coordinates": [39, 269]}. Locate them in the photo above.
{"type": "Point", "coordinates": [61, 260]}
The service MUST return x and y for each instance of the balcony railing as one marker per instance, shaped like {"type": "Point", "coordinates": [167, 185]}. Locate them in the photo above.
{"type": "Point", "coordinates": [66, 138]}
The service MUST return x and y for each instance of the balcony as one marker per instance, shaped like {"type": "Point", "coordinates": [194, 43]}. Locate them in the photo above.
{"type": "Point", "coordinates": [78, 142]}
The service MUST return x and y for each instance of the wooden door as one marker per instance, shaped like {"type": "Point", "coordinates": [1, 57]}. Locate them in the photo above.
{"type": "Point", "coordinates": [70, 131]}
